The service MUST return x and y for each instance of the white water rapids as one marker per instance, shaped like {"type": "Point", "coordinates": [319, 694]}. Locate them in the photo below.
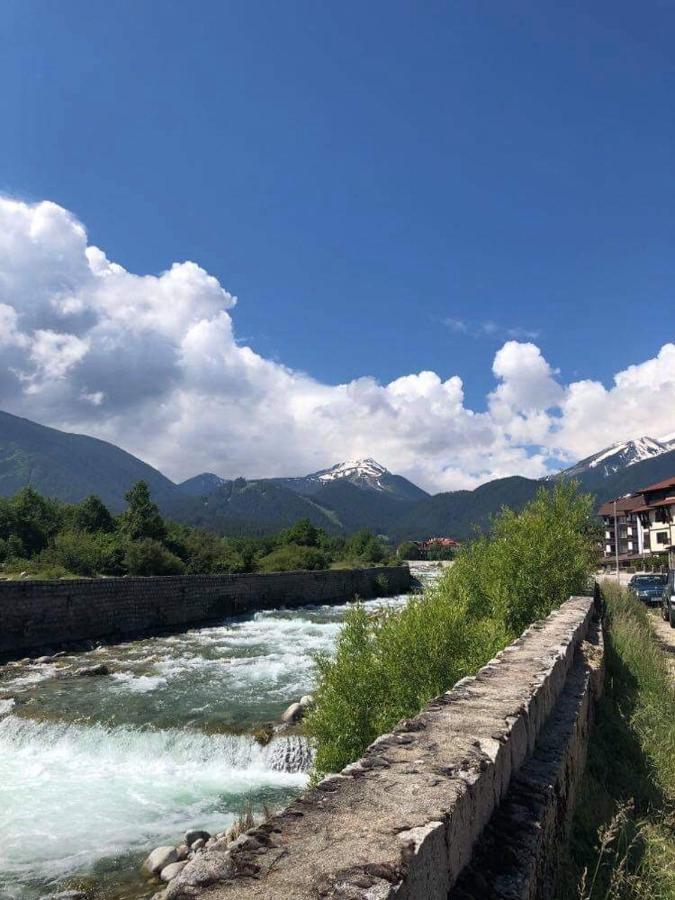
{"type": "Point", "coordinates": [96, 771]}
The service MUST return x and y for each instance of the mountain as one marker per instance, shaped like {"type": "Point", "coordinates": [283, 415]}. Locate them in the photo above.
{"type": "Point", "coordinates": [459, 514]}
{"type": "Point", "coordinates": [70, 466]}
{"type": "Point", "coordinates": [242, 507]}
{"type": "Point", "coordinates": [365, 474]}
{"type": "Point", "coordinates": [201, 485]}
{"type": "Point", "coordinates": [354, 494]}
{"type": "Point", "coordinates": [624, 467]}
{"type": "Point", "coordinates": [619, 456]}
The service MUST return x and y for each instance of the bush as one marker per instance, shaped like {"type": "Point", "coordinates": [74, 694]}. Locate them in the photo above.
{"type": "Point", "coordinates": [387, 666]}
{"type": "Point", "coordinates": [85, 553]}
{"type": "Point", "coordinates": [291, 557]}
{"type": "Point", "coordinates": [149, 557]}
{"type": "Point", "coordinates": [408, 550]}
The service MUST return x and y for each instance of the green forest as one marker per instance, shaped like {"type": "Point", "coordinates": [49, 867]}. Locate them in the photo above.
{"type": "Point", "coordinates": [45, 538]}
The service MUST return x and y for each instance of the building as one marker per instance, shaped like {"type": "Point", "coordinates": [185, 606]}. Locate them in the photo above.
{"type": "Point", "coordinates": [436, 543]}
{"type": "Point", "coordinates": [643, 523]}
{"type": "Point", "coordinates": [628, 526]}
{"type": "Point", "coordinates": [657, 517]}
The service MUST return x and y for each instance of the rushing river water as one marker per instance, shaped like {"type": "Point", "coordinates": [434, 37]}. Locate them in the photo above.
{"type": "Point", "coordinates": [96, 771]}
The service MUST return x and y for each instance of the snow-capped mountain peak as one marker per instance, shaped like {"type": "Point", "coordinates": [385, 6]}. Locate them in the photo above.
{"type": "Point", "coordinates": [621, 455]}
{"type": "Point", "coordinates": [353, 469]}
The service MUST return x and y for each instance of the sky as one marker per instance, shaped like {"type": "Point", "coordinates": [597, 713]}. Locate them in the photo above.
{"type": "Point", "coordinates": [257, 238]}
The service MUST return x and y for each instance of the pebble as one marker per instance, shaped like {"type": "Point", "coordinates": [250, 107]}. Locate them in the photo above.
{"type": "Point", "coordinates": [170, 871]}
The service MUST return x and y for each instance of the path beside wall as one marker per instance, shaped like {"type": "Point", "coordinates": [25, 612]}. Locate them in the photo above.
{"type": "Point", "coordinates": [35, 614]}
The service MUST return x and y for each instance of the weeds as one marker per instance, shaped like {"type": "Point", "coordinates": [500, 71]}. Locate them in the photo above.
{"type": "Point", "coordinates": [623, 836]}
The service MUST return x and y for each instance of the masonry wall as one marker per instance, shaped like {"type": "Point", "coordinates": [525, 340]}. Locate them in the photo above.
{"type": "Point", "coordinates": [410, 819]}
{"type": "Point", "coordinates": [37, 614]}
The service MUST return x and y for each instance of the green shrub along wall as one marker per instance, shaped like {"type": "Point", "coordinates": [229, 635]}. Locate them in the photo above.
{"type": "Point", "coordinates": [38, 614]}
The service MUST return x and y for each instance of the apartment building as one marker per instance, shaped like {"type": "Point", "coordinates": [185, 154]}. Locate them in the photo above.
{"type": "Point", "coordinates": [643, 523]}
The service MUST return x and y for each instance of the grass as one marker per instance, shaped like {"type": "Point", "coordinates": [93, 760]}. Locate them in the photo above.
{"type": "Point", "coordinates": [622, 843]}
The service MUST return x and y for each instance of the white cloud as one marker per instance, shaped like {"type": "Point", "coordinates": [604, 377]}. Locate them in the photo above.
{"type": "Point", "coordinates": [151, 362]}
{"type": "Point", "coordinates": [489, 329]}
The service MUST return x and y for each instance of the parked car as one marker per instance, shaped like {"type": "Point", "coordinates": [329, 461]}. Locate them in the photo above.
{"type": "Point", "coordinates": [648, 588]}
{"type": "Point", "coordinates": [668, 599]}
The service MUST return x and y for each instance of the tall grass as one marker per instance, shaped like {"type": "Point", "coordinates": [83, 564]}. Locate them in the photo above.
{"type": "Point", "coordinates": [388, 665]}
{"type": "Point", "coordinates": [623, 837]}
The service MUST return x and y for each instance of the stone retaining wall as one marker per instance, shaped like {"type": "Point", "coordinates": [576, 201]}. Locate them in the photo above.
{"type": "Point", "coordinates": [35, 614]}
{"type": "Point", "coordinates": [405, 820]}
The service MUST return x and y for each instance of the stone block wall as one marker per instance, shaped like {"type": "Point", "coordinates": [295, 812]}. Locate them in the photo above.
{"type": "Point", "coordinates": [408, 818]}
{"type": "Point", "coordinates": [38, 614]}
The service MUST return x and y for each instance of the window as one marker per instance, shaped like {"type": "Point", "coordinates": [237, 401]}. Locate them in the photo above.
{"type": "Point", "coordinates": [661, 537]}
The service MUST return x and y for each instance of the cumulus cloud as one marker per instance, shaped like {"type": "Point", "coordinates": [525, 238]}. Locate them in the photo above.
{"type": "Point", "coordinates": [152, 363]}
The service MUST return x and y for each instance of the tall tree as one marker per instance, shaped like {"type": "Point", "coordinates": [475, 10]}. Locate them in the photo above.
{"type": "Point", "coordinates": [142, 518]}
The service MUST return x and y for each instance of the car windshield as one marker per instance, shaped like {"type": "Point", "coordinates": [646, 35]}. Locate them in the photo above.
{"type": "Point", "coordinates": [650, 581]}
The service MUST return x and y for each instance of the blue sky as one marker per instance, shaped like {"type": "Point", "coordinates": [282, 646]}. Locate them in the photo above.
{"type": "Point", "coordinates": [386, 187]}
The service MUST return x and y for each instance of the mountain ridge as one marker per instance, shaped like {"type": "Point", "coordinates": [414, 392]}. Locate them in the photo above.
{"type": "Point", "coordinates": [349, 495]}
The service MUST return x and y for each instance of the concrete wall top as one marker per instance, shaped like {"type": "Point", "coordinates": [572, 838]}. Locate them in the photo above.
{"type": "Point", "coordinates": [402, 821]}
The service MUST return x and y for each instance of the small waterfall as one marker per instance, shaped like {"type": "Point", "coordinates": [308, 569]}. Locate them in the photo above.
{"type": "Point", "coordinates": [290, 754]}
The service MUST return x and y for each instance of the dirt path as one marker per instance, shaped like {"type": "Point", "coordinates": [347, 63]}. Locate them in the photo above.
{"type": "Point", "coordinates": [666, 638]}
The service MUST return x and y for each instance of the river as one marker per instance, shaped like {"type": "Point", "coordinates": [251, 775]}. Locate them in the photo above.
{"type": "Point", "coordinates": [96, 771]}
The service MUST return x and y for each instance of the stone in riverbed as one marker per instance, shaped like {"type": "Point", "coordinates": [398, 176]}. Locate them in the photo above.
{"type": "Point", "coordinates": [182, 851]}
{"type": "Point", "coordinates": [198, 844]}
{"type": "Point", "coordinates": [173, 869]}
{"type": "Point", "coordinates": [159, 859]}
{"type": "Point", "coordinates": [306, 701]}
{"type": "Point", "coordinates": [294, 713]}
{"type": "Point", "coordinates": [91, 671]}
{"type": "Point", "coordinates": [195, 835]}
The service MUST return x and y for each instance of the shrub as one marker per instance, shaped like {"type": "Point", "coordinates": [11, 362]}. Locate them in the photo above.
{"type": "Point", "coordinates": [408, 550]}
{"type": "Point", "coordinates": [387, 666]}
{"type": "Point", "coordinates": [85, 553]}
{"type": "Point", "coordinates": [291, 557]}
{"type": "Point", "coordinates": [149, 557]}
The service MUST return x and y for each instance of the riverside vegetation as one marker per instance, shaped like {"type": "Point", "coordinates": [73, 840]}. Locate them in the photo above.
{"type": "Point", "coordinates": [388, 665]}
{"type": "Point", "coordinates": [45, 538]}
{"type": "Point", "coordinates": [623, 836]}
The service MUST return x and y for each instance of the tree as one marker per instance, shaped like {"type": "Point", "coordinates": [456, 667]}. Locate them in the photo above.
{"type": "Point", "coordinates": [303, 533]}
{"type": "Point", "coordinates": [30, 520]}
{"type": "Point", "coordinates": [142, 519]}
{"type": "Point", "coordinates": [408, 550]}
{"type": "Point", "coordinates": [92, 515]}
{"type": "Point", "coordinates": [149, 557]}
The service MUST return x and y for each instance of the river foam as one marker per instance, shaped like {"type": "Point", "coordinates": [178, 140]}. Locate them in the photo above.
{"type": "Point", "coordinates": [73, 793]}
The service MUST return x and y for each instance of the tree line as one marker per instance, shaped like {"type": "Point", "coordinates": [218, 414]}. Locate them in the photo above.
{"type": "Point", "coordinates": [48, 538]}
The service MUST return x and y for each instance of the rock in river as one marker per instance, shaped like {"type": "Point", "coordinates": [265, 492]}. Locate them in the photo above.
{"type": "Point", "coordinates": [170, 871]}
{"type": "Point", "coordinates": [294, 713]}
{"type": "Point", "coordinates": [159, 859]}
{"type": "Point", "coordinates": [196, 835]}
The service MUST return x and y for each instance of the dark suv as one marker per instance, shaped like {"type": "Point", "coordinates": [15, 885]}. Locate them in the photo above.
{"type": "Point", "coordinates": [668, 599]}
{"type": "Point", "coordinates": [647, 588]}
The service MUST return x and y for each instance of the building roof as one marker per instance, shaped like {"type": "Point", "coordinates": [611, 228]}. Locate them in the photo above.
{"type": "Point", "coordinates": [660, 485]}
{"type": "Point", "coordinates": [623, 505]}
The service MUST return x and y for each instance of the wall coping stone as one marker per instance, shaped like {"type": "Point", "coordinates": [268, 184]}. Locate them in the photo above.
{"type": "Point", "coordinates": [402, 821]}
